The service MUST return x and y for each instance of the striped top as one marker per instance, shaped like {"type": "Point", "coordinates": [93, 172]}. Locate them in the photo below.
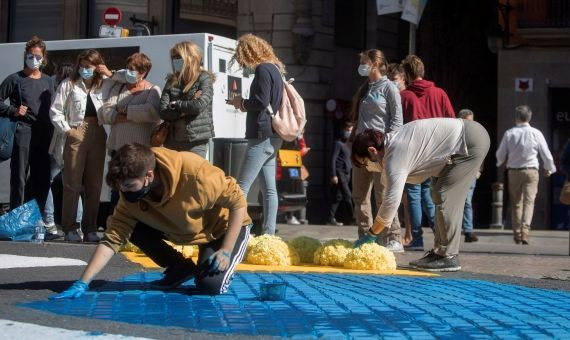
{"type": "Point", "coordinates": [142, 115]}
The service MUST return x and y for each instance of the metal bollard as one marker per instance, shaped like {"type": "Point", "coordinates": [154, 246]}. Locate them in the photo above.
{"type": "Point", "coordinates": [497, 206]}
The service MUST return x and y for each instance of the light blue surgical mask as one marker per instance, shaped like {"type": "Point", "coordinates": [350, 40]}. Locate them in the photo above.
{"type": "Point", "coordinates": [86, 72]}
{"type": "Point", "coordinates": [177, 64]}
{"type": "Point", "coordinates": [131, 76]}
{"type": "Point", "coordinates": [364, 70]}
{"type": "Point", "coordinates": [33, 62]}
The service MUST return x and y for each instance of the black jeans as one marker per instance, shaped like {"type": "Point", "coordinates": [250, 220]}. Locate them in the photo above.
{"type": "Point", "coordinates": [340, 193]}
{"type": "Point", "coordinates": [152, 243]}
{"type": "Point", "coordinates": [30, 154]}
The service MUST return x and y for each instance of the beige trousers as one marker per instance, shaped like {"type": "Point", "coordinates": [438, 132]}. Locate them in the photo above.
{"type": "Point", "coordinates": [450, 186]}
{"type": "Point", "coordinates": [362, 183]}
{"type": "Point", "coordinates": [84, 159]}
{"type": "Point", "coordinates": [523, 186]}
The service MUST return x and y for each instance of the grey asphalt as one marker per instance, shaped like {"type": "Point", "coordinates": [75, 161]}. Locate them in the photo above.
{"type": "Point", "coordinates": [543, 264]}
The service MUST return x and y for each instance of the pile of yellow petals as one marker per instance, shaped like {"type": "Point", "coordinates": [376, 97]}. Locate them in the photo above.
{"type": "Point", "coordinates": [271, 251]}
{"type": "Point", "coordinates": [305, 247]}
{"type": "Point", "coordinates": [332, 253]}
{"type": "Point", "coordinates": [370, 256]}
{"type": "Point", "coordinates": [186, 250]}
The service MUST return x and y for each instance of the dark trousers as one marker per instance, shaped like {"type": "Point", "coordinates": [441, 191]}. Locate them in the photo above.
{"type": "Point", "coordinates": [30, 156]}
{"type": "Point", "coordinates": [340, 193]}
{"type": "Point", "coordinates": [152, 243]}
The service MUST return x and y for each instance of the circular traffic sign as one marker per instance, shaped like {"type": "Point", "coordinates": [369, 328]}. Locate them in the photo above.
{"type": "Point", "coordinates": [112, 16]}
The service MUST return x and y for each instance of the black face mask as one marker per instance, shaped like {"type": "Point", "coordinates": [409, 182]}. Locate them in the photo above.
{"type": "Point", "coordinates": [135, 196]}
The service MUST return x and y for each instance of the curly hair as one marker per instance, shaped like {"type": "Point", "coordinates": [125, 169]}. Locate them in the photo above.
{"type": "Point", "coordinates": [131, 161]}
{"type": "Point", "coordinates": [252, 50]}
{"type": "Point", "coordinates": [35, 41]}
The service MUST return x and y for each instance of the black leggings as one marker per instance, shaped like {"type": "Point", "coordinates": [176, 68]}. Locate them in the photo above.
{"type": "Point", "coordinates": [152, 243]}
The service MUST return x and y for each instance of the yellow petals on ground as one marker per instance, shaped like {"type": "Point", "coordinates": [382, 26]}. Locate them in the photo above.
{"type": "Point", "coordinates": [370, 256]}
{"type": "Point", "coordinates": [271, 250]}
{"type": "Point", "coordinates": [332, 253]}
{"type": "Point", "coordinates": [130, 247]}
{"type": "Point", "coordinates": [305, 247]}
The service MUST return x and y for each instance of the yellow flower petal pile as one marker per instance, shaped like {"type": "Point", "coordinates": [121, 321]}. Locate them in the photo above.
{"type": "Point", "coordinates": [272, 251]}
{"type": "Point", "coordinates": [370, 256]}
{"type": "Point", "coordinates": [332, 253]}
{"type": "Point", "coordinates": [130, 247]}
{"type": "Point", "coordinates": [186, 250]}
{"type": "Point", "coordinates": [305, 247]}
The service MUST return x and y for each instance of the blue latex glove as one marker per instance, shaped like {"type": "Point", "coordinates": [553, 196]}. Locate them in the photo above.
{"type": "Point", "coordinates": [219, 261]}
{"type": "Point", "coordinates": [368, 237]}
{"type": "Point", "coordinates": [76, 290]}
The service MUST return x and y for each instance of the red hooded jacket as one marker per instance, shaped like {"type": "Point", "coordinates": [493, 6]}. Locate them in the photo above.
{"type": "Point", "coordinates": [422, 99]}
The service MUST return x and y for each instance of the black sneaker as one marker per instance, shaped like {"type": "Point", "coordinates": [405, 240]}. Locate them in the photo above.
{"type": "Point", "coordinates": [174, 276]}
{"type": "Point", "coordinates": [471, 237]}
{"type": "Point", "coordinates": [433, 262]}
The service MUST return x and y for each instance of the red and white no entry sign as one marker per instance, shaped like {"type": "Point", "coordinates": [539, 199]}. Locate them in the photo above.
{"type": "Point", "coordinates": [112, 16]}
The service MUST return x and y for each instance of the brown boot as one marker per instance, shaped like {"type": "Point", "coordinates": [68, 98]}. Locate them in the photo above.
{"type": "Point", "coordinates": [525, 238]}
{"type": "Point", "coordinates": [517, 236]}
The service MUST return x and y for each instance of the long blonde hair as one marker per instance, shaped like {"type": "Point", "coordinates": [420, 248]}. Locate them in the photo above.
{"type": "Point", "coordinates": [192, 57]}
{"type": "Point", "coordinates": [252, 50]}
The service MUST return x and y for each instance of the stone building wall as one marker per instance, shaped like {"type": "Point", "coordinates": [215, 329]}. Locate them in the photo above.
{"type": "Point", "coordinates": [549, 69]}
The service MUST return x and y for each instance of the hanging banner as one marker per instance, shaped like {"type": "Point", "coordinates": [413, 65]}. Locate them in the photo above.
{"type": "Point", "coordinates": [389, 6]}
{"type": "Point", "coordinates": [413, 10]}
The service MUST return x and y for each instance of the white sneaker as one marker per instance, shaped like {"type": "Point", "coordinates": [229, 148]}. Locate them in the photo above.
{"type": "Point", "coordinates": [395, 246]}
{"type": "Point", "coordinates": [293, 220]}
{"type": "Point", "coordinates": [51, 228]}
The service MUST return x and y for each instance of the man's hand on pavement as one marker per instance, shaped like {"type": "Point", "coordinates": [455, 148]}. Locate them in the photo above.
{"type": "Point", "coordinates": [76, 290]}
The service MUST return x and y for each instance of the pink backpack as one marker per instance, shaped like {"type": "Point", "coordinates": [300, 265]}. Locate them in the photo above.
{"type": "Point", "coordinates": [289, 121]}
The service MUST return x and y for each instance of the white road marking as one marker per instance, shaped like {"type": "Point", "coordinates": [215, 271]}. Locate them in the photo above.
{"type": "Point", "coordinates": [30, 331]}
{"type": "Point", "coordinates": [17, 261]}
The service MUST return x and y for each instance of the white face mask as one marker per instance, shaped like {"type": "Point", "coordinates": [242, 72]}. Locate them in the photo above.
{"type": "Point", "coordinates": [364, 70]}
{"type": "Point", "coordinates": [32, 62]}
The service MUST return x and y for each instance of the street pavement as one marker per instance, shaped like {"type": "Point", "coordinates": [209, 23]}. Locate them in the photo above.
{"type": "Point", "coordinates": [495, 258]}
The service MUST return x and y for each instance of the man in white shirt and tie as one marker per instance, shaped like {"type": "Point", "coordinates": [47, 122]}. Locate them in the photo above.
{"type": "Point", "coordinates": [519, 148]}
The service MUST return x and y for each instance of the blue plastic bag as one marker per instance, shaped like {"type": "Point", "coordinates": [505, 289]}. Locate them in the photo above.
{"type": "Point", "coordinates": [20, 223]}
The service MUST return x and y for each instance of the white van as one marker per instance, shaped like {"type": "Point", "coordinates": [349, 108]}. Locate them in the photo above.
{"type": "Point", "coordinates": [229, 124]}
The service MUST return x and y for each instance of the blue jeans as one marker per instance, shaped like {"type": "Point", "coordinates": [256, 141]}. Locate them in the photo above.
{"type": "Point", "coordinates": [260, 156]}
{"type": "Point", "coordinates": [468, 210]}
{"type": "Point", "coordinates": [49, 208]}
{"type": "Point", "coordinates": [419, 201]}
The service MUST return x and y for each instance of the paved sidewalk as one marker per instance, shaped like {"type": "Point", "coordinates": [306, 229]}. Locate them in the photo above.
{"type": "Point", "coordinates": [494, 254]}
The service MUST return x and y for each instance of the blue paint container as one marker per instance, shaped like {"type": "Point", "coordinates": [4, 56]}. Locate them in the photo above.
{"type": "Point", "coordinates": [272, 291]}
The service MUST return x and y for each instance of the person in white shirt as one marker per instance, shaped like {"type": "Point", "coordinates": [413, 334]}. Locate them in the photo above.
{"type": "Point", "coordinates": [519, 148]}
{"type": "Point", "coordinates": [449, 150]}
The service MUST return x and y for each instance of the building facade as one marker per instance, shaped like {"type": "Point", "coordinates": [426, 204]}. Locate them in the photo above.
{"type": "Point", "coordinates": [320, 42]}
{"type": "Point", "coordinates": [534, 69]}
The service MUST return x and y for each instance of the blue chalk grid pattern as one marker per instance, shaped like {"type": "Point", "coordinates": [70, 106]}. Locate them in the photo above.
{"type": "Point", "coordinates": [334, 306]}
